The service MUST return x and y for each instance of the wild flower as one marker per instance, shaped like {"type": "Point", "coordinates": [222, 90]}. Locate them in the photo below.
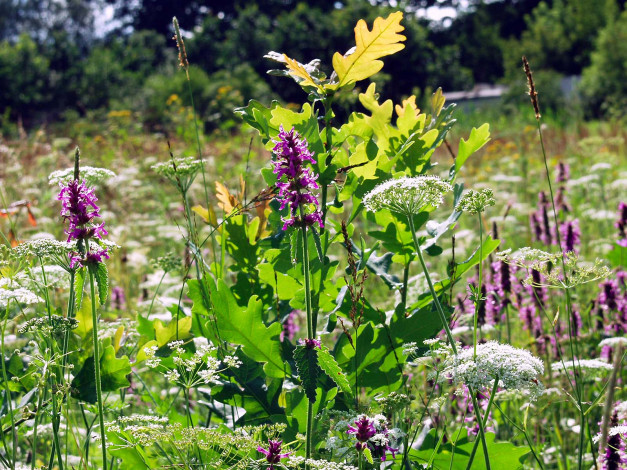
{"type": "Point", "coordinates": [273, 453]}
{"type": "Point", "coordinates": [474, 202]}
{"type": "Point", "coordinates": [515, 369]}
{"type": "Point", "coordinates": [295, 181]}
{"type": "Point", "coordinates": [407, 196]}
{"type": "Point", "coordinates": [614, 342]}
{"type": "Point", "coordinates": [169, 262]}
{"type": "Point", "coordinates": [18, 296]}
{"type": "Point", "coordinates": [191, 369]}
{"type": "Point", "coordinates": [181, 171]}
{"type": "Point", "coordinates": [44, 325]}
{"type": "Point", "coordinates": [47, 249]}
{"type": "Point", "coordinates": [90, 175]}
{"type": "Point", "coordinates": [621, 224]}
{"type": "Point", "coordinates": [295, 461]}
{"type": "Point", "coordinates": [372, 433]}
{"type": "Point", "coordinates": [548, 267]}
{"type": "Point", "coordinates": [570, 235]}
{"type": "Point", "coordinates": [589, 367]}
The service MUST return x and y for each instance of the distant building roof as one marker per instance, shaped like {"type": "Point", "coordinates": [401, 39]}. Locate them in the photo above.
{"type": "Point", "coordinates": [480, 91]}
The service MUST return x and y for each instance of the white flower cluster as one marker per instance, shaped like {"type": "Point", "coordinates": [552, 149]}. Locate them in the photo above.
{"type": "Point", "coordinates": [613, 431]}
{"type": "Point", "coordinates": [20, 296]}
{"type": "Point", "coordinates": [193, 369]}
{"type": "Point", "coordinates": [589, 367]}
{"type": "Point", "coordinates": [515, 369]}
{"type": "Point", "coordinates": [295, 461]}
{"type": "Point", "coordinates": [91, 175]}
{"type": "Point", "coordinates": [407, 196]}
{"type": "Point", "coordinates": [614, 342]}
{"type": "Point", "coordinates": [45, 248]}
{"type": "Point", "coordinates": [183, 166]}
{"type": "Point", "coordinates": [475, 202]}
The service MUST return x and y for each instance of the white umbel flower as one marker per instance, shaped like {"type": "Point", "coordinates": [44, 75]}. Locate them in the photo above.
{"type": "Point", "coordinates": [18, 296]}
{"type": "Point", "coordinates": [407, 196]}
{"type": "Point", "coordinates": [516, 369]}
{"type": "Point", "coordinates": [589, 367]}
{"type": "Point", "coordinates": [91, 175]}
{"type": "Point", "coordinates": [614, 342]}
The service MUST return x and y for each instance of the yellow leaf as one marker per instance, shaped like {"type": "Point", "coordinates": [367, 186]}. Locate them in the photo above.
{"type": "Point", "coordinates": [208, 215]}
{"type": "Point", "coordinates": [165, 334]}
{"type": "Point", "coordinates": [408, 104]}
{"type": "Point", "coordinates": [117, 338]}
{"type": "Point", "coordinates": [85, 322]}
{"type": "Point", "coordinates": [298, 70]}
{"type": "Point", "coordinates": [437, 102]}
{"type": "Point", "coordinates": [227, 202]}
{"type": "Point", "coordinates": [370, 45]}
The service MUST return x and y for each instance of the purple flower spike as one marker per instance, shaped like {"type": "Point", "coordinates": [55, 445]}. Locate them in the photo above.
{"type": "Point", "coordinates": [296, 182]}
{"type": "Point", "coordinates": [79, 209]}
{"type": "Point", "coordinates": [273, 453]}
{"type": "Point", "coordinates": [571, 236]}
{"type": "Point", "coordinates": [621, 224]}
{"type": "Point", "coordinates": [363, 429]}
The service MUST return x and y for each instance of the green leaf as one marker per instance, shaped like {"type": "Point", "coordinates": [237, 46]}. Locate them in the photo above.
{"type": "Point", "coordinates": [306, 360]}
{"type": "Point", "coordinates": [85, 321]}
{"type": "Point", "coordinates": [328, 364]}
{"type": "Point", "coordinates": [101, 275]}
{"type": "Point", "coordinates": [316, 237]}
{"type": "Point", "coordinates": [477, 139]}
{"type": "Point", "coordinates": [503, 455]}
{"type": "Point", "coordinates": [164, 334]}
{"type": "Point", "coordinates": [368, 455]}
{"type": "Point", "coordinates": [79, 284]}
{"type": "Point", "coordinates": [113, 372]}
{"type": "Point", "coordinates": [244, 326]}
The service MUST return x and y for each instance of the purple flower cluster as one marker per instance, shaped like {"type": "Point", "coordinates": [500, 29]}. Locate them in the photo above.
{"type": "Point", "coordinates": [79, 209]}
{"type": "Point", "coordinates": [570, 236]}
{"type": "Point", "coordinates": [290, 328]}
{"type": "Point", "coordinates": [373, 434]}
{"type": "Point", "coordinates": [614, 458]}
{"type": "Point", "coordinates": [273, 453]}
{"type": "Point", "coordinates": [611, 306]}
{"type": "Point", "coordinates": [295, 182]}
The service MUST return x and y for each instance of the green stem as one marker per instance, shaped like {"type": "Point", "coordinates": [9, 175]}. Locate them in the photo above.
{"type": "Point", "coordinates": [152, 302]}
{"type": "Point", "coordinates": [8, 391]}
{"type": "Point", "coordinates": [310, 331]}
{"type": "Point", "coordinates": [436, 300]}
{"type": "Point", "coordinates": [37, 414]}
{"type": "Point", "coordinates": [482, 425]}
{"type": "Point", "coordinates": [94, 319]}
{"type": "Point", "coordinates": [478, 294]}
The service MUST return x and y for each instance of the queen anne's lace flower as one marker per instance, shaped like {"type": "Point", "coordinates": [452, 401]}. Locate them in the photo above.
{"type": "Point", "coordinates": [407, 196]}
{"type": "Point", "coordinates": [515, 369]}
{"type": "Point", "coordinates": [589, 367]}
{"type": "Point", "coordinates": [91, 175]}
{"type": "Point", "coordinates": [474, 202]}
{"type": "Point", "coordinates": [18, 296]}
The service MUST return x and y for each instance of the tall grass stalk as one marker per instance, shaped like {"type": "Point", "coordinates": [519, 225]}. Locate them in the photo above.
{"type": "Point", "coordinates": [578, 386]}
{"type": "Point", "coordinates": [8, 391]}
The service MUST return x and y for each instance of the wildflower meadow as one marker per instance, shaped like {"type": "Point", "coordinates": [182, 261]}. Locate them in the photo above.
{"type": "Point", "coordinates": [338, 284]}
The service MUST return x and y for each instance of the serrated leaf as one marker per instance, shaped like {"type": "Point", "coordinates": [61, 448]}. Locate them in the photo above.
{"type": "Point", "coordinates": [368, 455]}
{"type": "Point", "coordinates": [370, 46]}
{"type": "Point", "coordinates": [79, 284]}
{"type": "Point", "coordinates": [306, 360]}
{"type": "Point", "coordinates": [244, 326]}
{"type": "Point", "coordinates": [101, 275]}
{"type": "Point", "coordinates": [477, 139]}
{"type": "Point", "coordinates": [316, 237]}
{"type": "Point", "coordinates": [330, 366]}
{"type": "Point", "coordinates": [437, 102]}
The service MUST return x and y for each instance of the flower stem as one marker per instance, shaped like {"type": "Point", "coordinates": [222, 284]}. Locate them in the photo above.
{"type": "Point", "coordinates": [482, 425]}
{"type": "Point", "coordinates": [436, 300]}
{"type": "Point", "coordinates": [8, 391]}
{"type": "Point", "coordinates": [94, 319]}
{"type": "Point", "coordinates": [478, 295]}
{"type": "Point", "coordinates": [310, 332]}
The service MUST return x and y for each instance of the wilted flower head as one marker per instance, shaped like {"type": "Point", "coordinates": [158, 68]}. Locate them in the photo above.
{"type": "Point", "coordinates": [515, 369]}
{"type": "Point", "coordinates": [295, 181]}
{"type": "Point", "coordinates": [475, 202]}
{"type": "Point", "coordinates": [90, 175]}
{"type": "Point", "coordinates": [407, 196]}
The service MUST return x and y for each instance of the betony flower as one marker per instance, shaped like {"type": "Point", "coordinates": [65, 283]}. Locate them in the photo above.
{"type": "Point", "coordinates": [621, 224]}
{"type": "Point", "coordinates": [373, 433]}
{"type": "Point", "coordinates": [295, 181]}
{"type": "Point", "coordinates": [273, 453]}
{"type": "Point", "coordinates": [571, 235]}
